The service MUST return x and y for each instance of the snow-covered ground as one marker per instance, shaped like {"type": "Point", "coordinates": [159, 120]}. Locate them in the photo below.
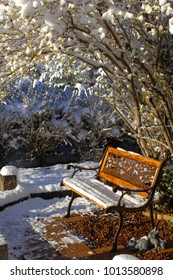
{"type": "Point", "coordinates": [19, 222]}
{"type": "Point", "coordinates": [22, 226]}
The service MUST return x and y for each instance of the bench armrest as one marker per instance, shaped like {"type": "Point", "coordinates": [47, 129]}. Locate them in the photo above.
{"type": "Point", "coordinates": [129, 190]}
{"type": "Point", "coordinates": [80, 168]}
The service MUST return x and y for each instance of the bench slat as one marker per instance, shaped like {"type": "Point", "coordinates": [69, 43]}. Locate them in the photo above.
{"type": "Point", "coordinates": [122, 183]}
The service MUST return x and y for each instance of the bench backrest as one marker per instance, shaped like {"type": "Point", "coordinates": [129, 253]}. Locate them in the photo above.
{"type": "Point", "coordinates": [130, 170]}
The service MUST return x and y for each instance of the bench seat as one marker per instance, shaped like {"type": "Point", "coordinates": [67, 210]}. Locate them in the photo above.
{"type": "Point", "coordinates": [102, 194]}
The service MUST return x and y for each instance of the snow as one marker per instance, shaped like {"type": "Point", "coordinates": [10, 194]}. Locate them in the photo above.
{"type": "Point", "coordinates": [9, 170]}
{"type": "Point", "coordinates": [38, 180]}
{"type": "Point", "coordinates": [21, 223]}
{"type": "Point", "coordinates": [162, 2]}
{"type": "Point", "coordinates": [101, 193]}
{"type": "Point", "coordinates": [2, 240]}
{"type": "Point", "coordinates": [171, 25]}
{"type": "Point", "coordinates": [124, 257]}
{"type": "Point", "coordinates": [128, 15]}
{"type": "Point", "coordinates": [17, 220]}
{"type": "Point", "coordinates": [169, 11]}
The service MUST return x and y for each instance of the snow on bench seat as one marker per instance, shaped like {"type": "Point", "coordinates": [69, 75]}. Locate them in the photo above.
{"type": "Point", "coordinates": [101, 194]}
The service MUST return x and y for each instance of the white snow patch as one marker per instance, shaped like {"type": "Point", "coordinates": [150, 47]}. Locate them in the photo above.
{"type": "Point", "coordinates": [9, 170]}
{"type": "Point", "coordinates": [72, 239]}
{"type": "Point", "coordinates": [2, 240]}
{"type": "Point", "coordinates": [124, 257]}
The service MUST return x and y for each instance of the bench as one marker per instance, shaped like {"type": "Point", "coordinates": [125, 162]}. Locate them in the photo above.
{"type": "Point", "coordinates": [125, 182]}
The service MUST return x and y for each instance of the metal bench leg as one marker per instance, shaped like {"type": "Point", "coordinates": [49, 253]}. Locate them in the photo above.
{"type": "Point", "coordinates": [114, 247]}
{"type": "Point", "coordinates": [151, 215]}
{"type": "Point", "coordinates": [74, 195]}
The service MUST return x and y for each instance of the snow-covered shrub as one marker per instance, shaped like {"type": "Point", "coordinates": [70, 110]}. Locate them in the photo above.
{"type": "Point", "coordinates": [42, 117]}
{"type": "Point", "coordinates": [92, 124]}
{"type": "Point", "coordinates": [29, 108]}
{"type": "Point", "coordinates": [64, 70]}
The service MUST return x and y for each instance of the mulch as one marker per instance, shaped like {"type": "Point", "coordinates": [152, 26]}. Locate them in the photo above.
{"type": "Point", "coordinates": [99, 229]}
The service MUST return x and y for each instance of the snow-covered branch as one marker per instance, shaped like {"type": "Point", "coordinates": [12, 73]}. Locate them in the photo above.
{"type": "Point", "coordinates": [130, 40]}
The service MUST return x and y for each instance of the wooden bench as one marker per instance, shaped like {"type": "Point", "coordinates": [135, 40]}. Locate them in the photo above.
{"type": "Point", "coordinates": [125, 182]}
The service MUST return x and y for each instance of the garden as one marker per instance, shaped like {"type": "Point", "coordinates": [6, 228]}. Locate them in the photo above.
{"type": "Point", "coordinates": [77, 77]}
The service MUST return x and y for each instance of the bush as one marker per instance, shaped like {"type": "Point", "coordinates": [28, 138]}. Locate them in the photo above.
{"type": "Point", "coordinates": [165, 202]}
{"type": "Point", "coordinates": [38, 118]}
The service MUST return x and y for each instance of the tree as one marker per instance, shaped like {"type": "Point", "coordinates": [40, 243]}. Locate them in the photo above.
{"type": "Point", "coordinates": [130, 40]}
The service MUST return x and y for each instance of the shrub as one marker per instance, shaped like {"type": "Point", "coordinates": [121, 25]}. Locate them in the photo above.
{"type": "Point", "coordinates": [41, 117]}
{"type": "Point", "coordinates": [165, 202]}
